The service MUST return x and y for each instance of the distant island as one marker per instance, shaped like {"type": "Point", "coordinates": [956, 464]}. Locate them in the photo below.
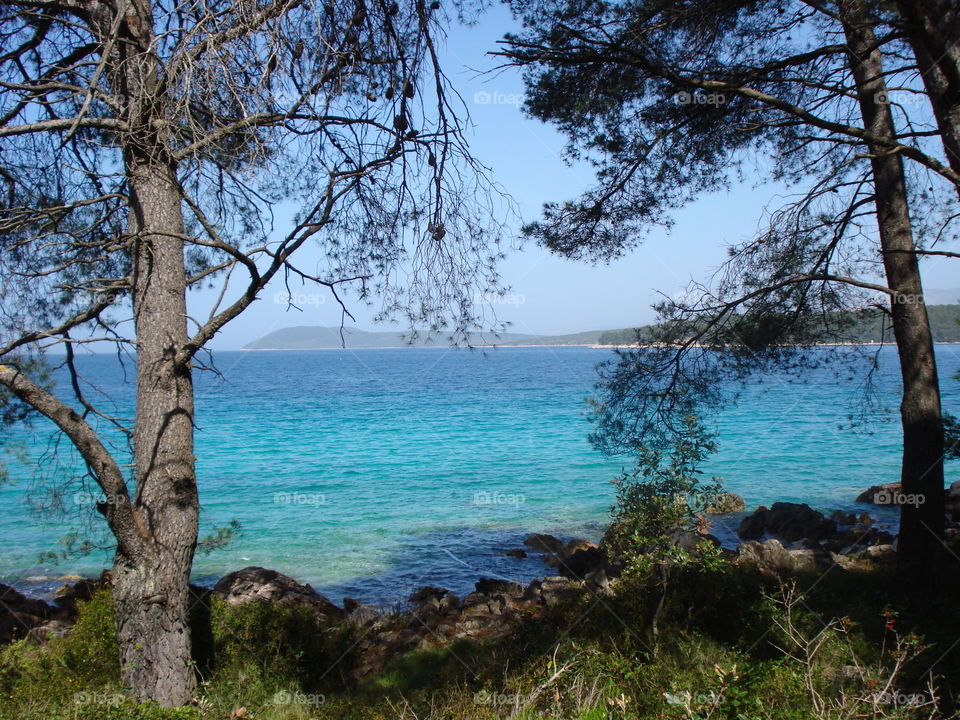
{"type": "Point", "coordinates": [866, 328]}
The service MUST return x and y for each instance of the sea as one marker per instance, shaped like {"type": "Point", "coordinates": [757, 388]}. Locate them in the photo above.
{"type": "Point", "coordinates": [370, 473]}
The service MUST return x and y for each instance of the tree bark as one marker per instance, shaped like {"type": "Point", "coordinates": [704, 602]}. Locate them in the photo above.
{"type": "Point", "coordinates": [933, 29]}
{"type": "Point", "coordinates": [920, 544]}
{"type": "Point", "coordinates": [151, 591]}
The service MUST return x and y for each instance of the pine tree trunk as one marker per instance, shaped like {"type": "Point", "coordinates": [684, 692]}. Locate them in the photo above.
{"type": "Point", "coordinates": [920, 545]}
{"type": "Point", "coordinates": [933, 29]}
{"type": "Point", "coordinates": [151, 594]}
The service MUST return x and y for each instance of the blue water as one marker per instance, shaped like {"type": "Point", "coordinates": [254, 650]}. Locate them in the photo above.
{"type": "Point", "coordinates": [370, 473]}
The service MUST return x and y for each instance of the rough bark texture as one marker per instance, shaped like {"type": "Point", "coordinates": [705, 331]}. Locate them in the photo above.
{"type": "Point", "coordinates": [921, 525]}
{"type": "Point", "coordinates": [151, 594]}
{"type": "Point", "coordinates": [933, 29]}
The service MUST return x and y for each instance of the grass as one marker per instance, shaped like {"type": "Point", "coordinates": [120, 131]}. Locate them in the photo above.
{"type": "Point", "coordinates": [730, 645]}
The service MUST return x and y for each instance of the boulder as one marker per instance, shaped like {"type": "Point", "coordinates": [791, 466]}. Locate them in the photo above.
{"type": "Point", "coordinates": [753, 526]}
{"type": "Point", "coordinates": [556, 589]}
{"type": "Point", "coordinates": [726, 502]}
{"type": "Point", "coordinates": [20, 614]}
{"type": "Point", "coordinates": [879, 494]}
{"type": "Point", "coordinates": [488, 586]}
{"type": "Point", "coordinates": [253, 584]}
{"type": "Point", "coordinates": [772, 557]}
{"type": "Point", "coordinates": [544, 543]}
{"type": "Point", "coordinates": [66, 596]}
{"type": "Point", "coordinates": [787, 521]}
{"type": "Point", "coordinates": [582, 562]}
{"type": "Point", "coordinates": [843, 518]}
{"type": "Point", "coordinates": [427, 593]}
{"type": "Point", "coordinates": [517, 553]}
{"type": "Point", "coordinates": [798, 521]}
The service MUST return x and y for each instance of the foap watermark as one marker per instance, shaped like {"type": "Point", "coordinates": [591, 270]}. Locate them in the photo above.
{"type": "Point", "coordinates": [493, 497]}
{"type": "Point", "coordinates": [285, 697]}
{"type": "Point", "coordinates": [98, 698]}
{"type": "Point", "coordinates": [906, 299]}
{"type": "Point", "coordinates": [898, 698]}
{"type": "Point", "coordinates": [484, 97]}
{"type": "Point", "coordinates": [87, 498]}
{"type": "Point", "coordinates": [514, 299]}
{"type": "Point", "coordinates": [299, 299]}
{"type": "Point", "coordinates": [299, 498]}
{"type": "Point", "coordinates": [899, 97]}
{"type": "Point", "coordinates": [684, 97]}
{"type": "Point", "coordinates": [495, 699]}
{"type": "Point", "coordinates": [887, 496]}
{"type": "Point", "coordinates": [688, 699]}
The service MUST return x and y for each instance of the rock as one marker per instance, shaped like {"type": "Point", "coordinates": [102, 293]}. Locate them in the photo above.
{"type": "Point", "coordinates": [488, 586]}
{"type": "Point", "coordinates": [428, 592]}
{"type": "Point", "coordinates": [798, 521]}
{"type": "Point", "coordinates": [582, 562]}
{"type": "Point", "coordinates": [880, 494]}
{"type": "Point", "coordinates": [518, 553]}
{"type": "Point", "coordinates": [843, 518]}
{"type": "Point", "coordinates": [544, 543]}
{"type": "Point", "coordinates": [768, 556]}
{"type": "Point", "coordinates": [598, 582]}
{"type": "Point", "coordinates": [726, 502]}
{"type": "Point", "coordinates": [50, 629]}
{"type": "Point", "coordinates": [20, 614]}
{"type": "Point", "coordinates": [578, 544]}
{"type": "Point", "coordinates": [880, 553]}
{"type": "Point", "coordinates": [555, 589]}
{"type": "Point", "coordinates": [67, 596]}
{"type": "Point", "coordinates": [754, 525]}
{"type": "Point", "coordinates": [449, 604]}
{"type": "Point", "coordinates": [256, 583]}
{"type": "Point", "coordinates": [787, 521]}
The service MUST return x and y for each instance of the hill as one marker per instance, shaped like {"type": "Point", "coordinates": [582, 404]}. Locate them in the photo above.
{"type": "Point", "coordinates": [868, 327]}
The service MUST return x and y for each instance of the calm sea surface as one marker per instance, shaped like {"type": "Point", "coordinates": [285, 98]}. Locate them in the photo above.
{"type": "Point", "coordinates": [370, 473]}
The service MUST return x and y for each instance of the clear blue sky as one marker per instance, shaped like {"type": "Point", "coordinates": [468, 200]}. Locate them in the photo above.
{"type": "Point", "coordinates": [552, 295]}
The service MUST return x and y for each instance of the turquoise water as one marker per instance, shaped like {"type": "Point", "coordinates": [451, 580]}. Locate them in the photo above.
{"type": "Point", "coordinates": [369, 473]}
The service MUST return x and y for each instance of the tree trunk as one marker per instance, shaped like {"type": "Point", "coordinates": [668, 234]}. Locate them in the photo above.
{"type": "Point", "coordinates": [920, 543]}
{"type": "Point", "coordinates": [933, 29]}
{"type": "Point", "coordinates": [150, 585]}
{"type": "Point", "coordinates": [151, 594]}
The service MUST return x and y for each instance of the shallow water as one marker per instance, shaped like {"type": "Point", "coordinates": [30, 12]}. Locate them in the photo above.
{"type": "Point", "coordinates": [369, 473]}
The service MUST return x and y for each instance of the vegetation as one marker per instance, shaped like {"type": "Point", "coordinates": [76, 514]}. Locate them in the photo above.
{"type": "Point", "coordinates": [732, 644]}
{"type": "Point", "coordinates": [670, 100]}
{"type": "Point", "coordinates": [863, 326]}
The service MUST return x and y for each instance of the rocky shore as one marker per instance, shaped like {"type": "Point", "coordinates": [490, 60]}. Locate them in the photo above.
{"type": "Point", "coordinates": [784, 539]}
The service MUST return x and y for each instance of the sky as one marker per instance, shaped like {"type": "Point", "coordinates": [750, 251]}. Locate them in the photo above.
{"type": "Point", "coordinates": [548, 294]}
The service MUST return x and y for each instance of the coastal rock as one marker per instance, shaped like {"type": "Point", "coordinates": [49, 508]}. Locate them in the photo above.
{"type": "Point", "coordinates": [20, 614]}
{"type": "Point", "coordinates": [488, 586]}
{"type": "Point", "coordinates": [726, 502]}
{"type": "Point", "coordinates": [554, 590]}
{"type": "Point", "coordinates": [883, 494]}
{"type": "Point", "coordinates": [753, 526]}
{"type": "Point", "coordinates": [539, 542]}
{"type": "Point", "coordinates": [772, 557]}
{"type": "Point", "coordinates": [787, 521]}
{"type": "Point", "coordinates": [951, 501]}
{"type": "Point", "coordinates": [256, 583]}
{"type": "Point", "coordinates": [843, 518]}
{"type": "Point", "coordinates": [582, 561]}
{"type": "Point", "coordinates": [516, 553]}
{"type": "Point", "coordinates": [67, 596]}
